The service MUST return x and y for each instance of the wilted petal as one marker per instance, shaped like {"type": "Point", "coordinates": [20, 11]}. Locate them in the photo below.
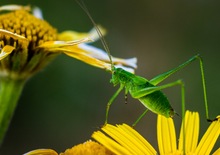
{"type": "Point", "coordinates": [73, 35]}
{"type": "Point", "coordinates": [13, 7]}
{"type": "Point", "coordinates": [37, 12]}
{"type": "Point", "coordinates": [59, 44]}
{"type": "Point", "coordinates": [87, 59]}
{"type": "Point", "coordinates": [102, 55]}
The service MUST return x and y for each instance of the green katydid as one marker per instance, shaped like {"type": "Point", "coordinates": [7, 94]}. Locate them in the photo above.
{"type": "Point", "coordinates": [147, 91]}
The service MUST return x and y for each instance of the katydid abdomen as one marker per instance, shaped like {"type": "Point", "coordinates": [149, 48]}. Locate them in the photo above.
{"type": "Point", "coordinates": [158, 103]}
{"type": "Point", "coordinates": [155, 101]}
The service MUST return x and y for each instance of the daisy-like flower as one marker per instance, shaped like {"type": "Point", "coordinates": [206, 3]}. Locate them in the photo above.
{"type": "Point", "coordinates": [124, 140]}
{"type": "Point", "coordinates": [28, 43]}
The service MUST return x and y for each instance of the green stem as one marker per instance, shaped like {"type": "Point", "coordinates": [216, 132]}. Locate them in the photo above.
{"type": "Point", "coordinates": [10, 91]}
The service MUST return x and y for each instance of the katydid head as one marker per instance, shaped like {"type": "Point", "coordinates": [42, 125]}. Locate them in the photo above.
{"type": "Point", "coordinates": [172, 113]}
{"type": "Point", "coordinates": [115, 77]}
{"type": "Point", "coordinates": [119, 75]}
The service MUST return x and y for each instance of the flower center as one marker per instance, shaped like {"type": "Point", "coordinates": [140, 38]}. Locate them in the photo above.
{"type": "Point", "coordinates": [37, 31]}
{"type": "Point", "coordinates": [26, 59]}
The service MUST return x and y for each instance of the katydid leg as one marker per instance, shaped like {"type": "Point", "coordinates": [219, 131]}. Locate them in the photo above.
{"type": "Point", "coordinates": [111, 101]}
{"type": "Point", "coordinates": [150, 90]}
{"type": "Point", "coordinates": [165, 75]}
{"type": "Point", "coordinates": [140, 117]}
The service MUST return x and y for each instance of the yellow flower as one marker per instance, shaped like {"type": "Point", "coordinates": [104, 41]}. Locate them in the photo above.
{"type": "Point", "coordinates": [87, 148]}
{"type": "Point", "coordinates": [124, 140]}
{"type": "Point", "coordinates": [28, 43]}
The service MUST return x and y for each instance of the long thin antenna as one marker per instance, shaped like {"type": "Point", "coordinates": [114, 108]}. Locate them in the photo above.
{"type": "Point", "coordinates": [83, 6]}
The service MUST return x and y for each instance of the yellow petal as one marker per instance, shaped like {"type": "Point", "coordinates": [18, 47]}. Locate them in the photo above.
{"type": "Point", "coordinates": [166, 135]}
{"type": "Point", "coordinates": [209, 138]}
{"type": "Point", "coordinates": [6, 51]}
{"type": "Point", "coordinates": [73, 35]}
{"type": "Point", "coordinates": [124, 140]}
{"type": "Point", "coordinates": [136, 138]}
{"type": "Point", "coordinates": [77, 54]}
{"type": "Point", "coordinates": [127, 137]}
{"type": "Point", "coordinates": [110, 144]}
{"type": "Point", "coordinates": [191, 132]}
{"type": "Point", "coordinates": [42, 152]}
{"type": "Point", "coordinates": [217, 152]}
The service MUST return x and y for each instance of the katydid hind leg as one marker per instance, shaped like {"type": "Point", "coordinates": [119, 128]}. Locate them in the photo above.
{"type": "Point", "coordinates": [165, 75]}
{"type": "Point", "coordinates": [148, 90]}
{"type": "Point", "coordinates": [158, 79]}
{"type": "Point", "coordinates": [111, 101]}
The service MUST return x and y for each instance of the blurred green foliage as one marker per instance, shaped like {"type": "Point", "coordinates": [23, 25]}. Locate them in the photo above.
{"type": "Point", "coordinates": [62, 105]}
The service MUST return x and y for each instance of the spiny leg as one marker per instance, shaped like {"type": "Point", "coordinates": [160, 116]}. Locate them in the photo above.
{"type": "Point", "coordinates": [126, 98]}
{"type": "Point", "coordinates": [165, 75]}
{"type": "Point", "coordinates": [111, 101]}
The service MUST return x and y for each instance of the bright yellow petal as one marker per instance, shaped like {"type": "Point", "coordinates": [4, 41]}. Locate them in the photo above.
{"type": "Point", "coordinates": [6, 51]}
{"type": "Point", "coordinates": [210, 137]}
{"type": "Point", "coordinates": [166, 135]}
{"type": "Point", "coordinates": [110, 144]}
{"type": "Point", "coordinates": [42, 152]}
{"type": "Point", "coordinates": [126, 137]}
{"type": "Point", "coordinates": [191, 132]}
{"type": "Point", "coordinates": [132, 134]}
{"type": "Point", "coordinates": [113, 132]}
{"type": "Point", "coordinates": [217, 152]}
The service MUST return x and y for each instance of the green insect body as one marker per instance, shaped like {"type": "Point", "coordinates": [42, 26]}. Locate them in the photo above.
{"type": "Point", "coordinates": [157, 102]}
{"type": "Point", "coordinates": [149, 93]}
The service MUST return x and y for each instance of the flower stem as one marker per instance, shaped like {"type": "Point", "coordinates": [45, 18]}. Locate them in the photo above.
{"type": "Point", "coordinates": [10, 90]}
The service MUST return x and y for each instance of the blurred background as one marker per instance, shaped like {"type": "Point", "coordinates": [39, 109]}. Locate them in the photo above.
{"type": "Point", "coordinates": [62, 105]}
